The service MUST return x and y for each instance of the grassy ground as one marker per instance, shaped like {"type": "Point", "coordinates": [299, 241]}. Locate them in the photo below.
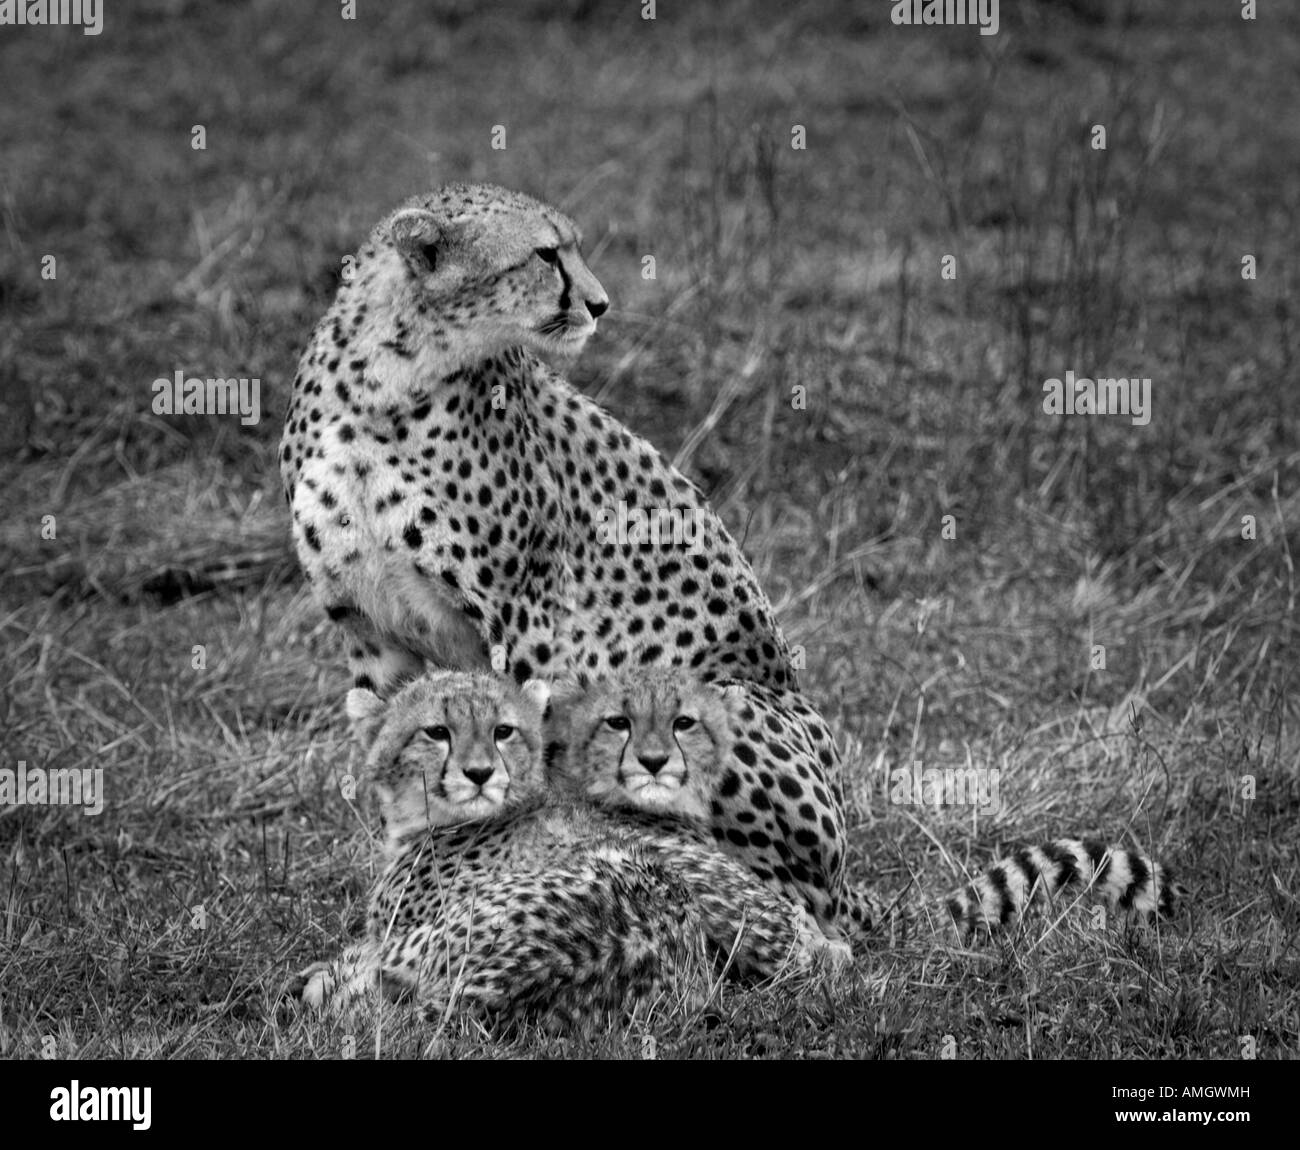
{"type": "Point", "coordinates": [225, 856]}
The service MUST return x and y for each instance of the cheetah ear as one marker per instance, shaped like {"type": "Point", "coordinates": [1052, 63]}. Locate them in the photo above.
{"type": "Point", "coordinates": [566, 691]}
{"type": "Point", "coordinates": [733, 693]}
{"type": "Point", "coordinates": [418, 235]}
{"type": "Point", "coordinates": [537, 692]}
{"type": "Point", "coordinates": [366, 713]}
{"type": "Point", "coordinates": [564, 697]}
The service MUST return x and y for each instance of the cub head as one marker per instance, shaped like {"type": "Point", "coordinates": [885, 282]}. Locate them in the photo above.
{"type": "Point", "coordinates": [481, 269]}
{"type": "Point", "coordinates": [656, 741]}
{"type": "Point", "coordinates": [450, 747]}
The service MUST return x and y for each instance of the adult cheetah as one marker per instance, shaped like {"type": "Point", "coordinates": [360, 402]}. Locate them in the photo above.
{"type": "Point", "coordinates": [454, 500]}
{"type": "Point", "coordinates": [514, 899]}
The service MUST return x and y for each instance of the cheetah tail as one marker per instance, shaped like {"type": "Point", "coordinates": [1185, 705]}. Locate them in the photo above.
{"type": "Point", "coordinates": [1125, 879]}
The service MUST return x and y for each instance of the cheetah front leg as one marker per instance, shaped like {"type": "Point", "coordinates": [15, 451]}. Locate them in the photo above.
{"type": "Point", "coordinates": [382, 663]}
{"type": "Point", "coordinates": [377, 662]}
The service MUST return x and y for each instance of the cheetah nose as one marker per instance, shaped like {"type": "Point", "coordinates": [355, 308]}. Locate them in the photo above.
{"type": "Point", "coordinates": [597, 307]}
{"type": "Point", "coordinates": [478, 775]}
{"type": "Point", "coordinates": [652, 763]}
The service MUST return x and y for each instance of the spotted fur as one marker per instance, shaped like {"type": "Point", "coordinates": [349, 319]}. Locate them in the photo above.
{"type": "Point", "coordinates": [601, 933]}
{"type": "Point", "coordinates": [450, 493]}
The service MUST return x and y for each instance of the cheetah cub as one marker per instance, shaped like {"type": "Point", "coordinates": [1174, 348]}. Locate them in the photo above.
{"type": "Point", "coordinates": [756, 766]}
{"type": "Point", "coordinates": [468, 915]}
{"type": "Point", "coordinates": [667, 743]}
{"type": "Point", "coordinates": [451, 748]}
{"type": "Point", "coordinates": [648, 756]}
{"type": "Point", "coordinates": [452, 496]}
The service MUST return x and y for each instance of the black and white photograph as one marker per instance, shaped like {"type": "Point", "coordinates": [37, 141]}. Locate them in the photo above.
{"type": "Point", "coordinates": [586, 530]}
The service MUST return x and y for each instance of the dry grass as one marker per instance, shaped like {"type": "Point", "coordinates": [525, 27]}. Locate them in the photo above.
{"type": "Point", "coordinates": [774, 268]}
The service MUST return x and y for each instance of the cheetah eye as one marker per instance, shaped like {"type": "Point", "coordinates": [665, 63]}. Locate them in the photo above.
{"type": "Point", "coordinates": [439, 734]}
{"type": "Point", "coordinates": [618, 723]}
{"type": "Point", "coordinates": [549, 255]}
{"type": "Point", "coordinates": [683, 723]}
{"type": "Point", "coordinates": [503, 732]}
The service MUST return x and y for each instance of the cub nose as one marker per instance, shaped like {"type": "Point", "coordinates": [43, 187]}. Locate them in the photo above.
{"type": "Point", "coordinates": [652, 763]}
{"type": "Point", "coordinates": [597, 307]}
{"type": "Point", "coordinates": [478, 775]}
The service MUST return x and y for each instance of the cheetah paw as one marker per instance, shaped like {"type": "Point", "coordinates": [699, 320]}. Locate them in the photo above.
{"type": "Point", "coordinates": [314, 987]}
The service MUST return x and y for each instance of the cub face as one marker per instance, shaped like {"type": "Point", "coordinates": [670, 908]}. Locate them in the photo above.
{"type": "Point", "coordinates": [656, 741]}
{"type": "Point", "coordinates": [450, 747]}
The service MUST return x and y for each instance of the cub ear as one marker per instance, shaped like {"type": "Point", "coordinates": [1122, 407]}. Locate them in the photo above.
{"type": "Point", "coordinates": [365, 713]}
{"type": "Point", "coordinates": [419, 236]}
{"type": "Point", "coordinates": [566, 692]}
{"type": "Point", "coordinates": [733, 693]}
{"type": "Point", "coordinates": [537, 692]}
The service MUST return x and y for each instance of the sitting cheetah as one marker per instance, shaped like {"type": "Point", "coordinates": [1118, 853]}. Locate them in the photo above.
{"type": "Point", "coordinates": [512, 900]}
{"type": "Point", "coordinates": [669, 743]}
{"type": "Point", "coordinates": [454, 500]}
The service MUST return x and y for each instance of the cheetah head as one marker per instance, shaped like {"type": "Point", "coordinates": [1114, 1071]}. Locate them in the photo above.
{"type": "Point", "coordinates": [482, 269]}
{"type": "Point", "coordinates": [658, 740]}
{"type": "Point", "coordinates": [450, 747]}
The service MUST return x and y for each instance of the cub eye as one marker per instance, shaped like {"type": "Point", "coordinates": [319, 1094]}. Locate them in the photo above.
{"type": "Point", "coordinates": [438, 734]}
{"type": "Point", "coordinates": [503, 732]}
{"type": "Point", "coordinates": [549, 255]}
{"type": "Point", "coordinates": [618, 723]}
{"type": "Point", "coordinates": [683, 723]}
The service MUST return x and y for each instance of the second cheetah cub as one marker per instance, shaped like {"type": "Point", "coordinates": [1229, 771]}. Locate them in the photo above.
{"type": "Point", "coordinates": [651, 751]}
{"type": "Point", "coordinates": [756, 767]}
